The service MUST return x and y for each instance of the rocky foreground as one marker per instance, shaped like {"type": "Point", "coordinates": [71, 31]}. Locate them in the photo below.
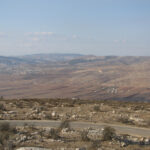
{"type": "Point", "coordinates": [66, 138]}
{"type": "Point", "coordinates": [115, 112]}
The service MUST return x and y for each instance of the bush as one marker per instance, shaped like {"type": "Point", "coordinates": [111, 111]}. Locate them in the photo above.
{"type": "Point", "coordinates": [95, 145]}
{"type": "Point", "coordinates": [2, 107]}
{"type": "Point", "coordinates": [64, 124]}
{"type": "Point", "coordinates": [6, 131]}
{"type": "Point", "coordinates": [4, 127]}
{"type": "Point", "coordinates": [108, 133]}
{"type": "Point", "coordinates": [96, 108]}
{"type": "Point", "coordinates": [4, 137]}
{"type": "Point", "coordinates": [84, 136]}
{"type": "Point", "coordinates": [54, 134]}
{"type": "Point", "coordinates": [125, 120]}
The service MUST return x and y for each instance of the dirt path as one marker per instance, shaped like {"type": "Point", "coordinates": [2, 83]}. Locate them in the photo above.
{"type": "Point", "coordinates": [144, 132]}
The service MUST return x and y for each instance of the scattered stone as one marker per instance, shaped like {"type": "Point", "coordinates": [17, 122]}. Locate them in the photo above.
{"type": "Point", "coordinates": [123, 144]}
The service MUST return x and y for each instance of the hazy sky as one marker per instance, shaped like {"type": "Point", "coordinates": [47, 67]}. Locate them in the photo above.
{"type": "Point", "coordinates": [100, 27]}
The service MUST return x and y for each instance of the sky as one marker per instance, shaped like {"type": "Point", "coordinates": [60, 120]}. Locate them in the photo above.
{"type": "Point", "coordinates": [98, 27]}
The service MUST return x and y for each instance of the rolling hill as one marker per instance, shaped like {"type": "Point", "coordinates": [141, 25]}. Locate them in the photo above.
{"type": "Point", "coordinates": [75, 76]}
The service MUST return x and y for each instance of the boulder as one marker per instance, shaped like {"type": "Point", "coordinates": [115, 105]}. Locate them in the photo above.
{"type": "Point", "coordinates": [123, 144]}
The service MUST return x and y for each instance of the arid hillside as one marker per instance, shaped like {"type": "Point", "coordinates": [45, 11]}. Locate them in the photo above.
{"type": "Point", "coordinates": [66, 124]}
{"type": "Point", "coordinates": [75, 76]}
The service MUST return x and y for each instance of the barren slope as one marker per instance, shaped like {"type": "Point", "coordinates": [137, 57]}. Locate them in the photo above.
{"type": "Point", "coordinates": [86, 77]}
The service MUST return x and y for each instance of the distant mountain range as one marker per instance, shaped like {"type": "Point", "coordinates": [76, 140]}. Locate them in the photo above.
{"type": "Point", "coordinates": [37, 58]}
{"type": "Point", "coordinates": [50, 57]}
{"type": "Point", "coordinates": [75, 76]}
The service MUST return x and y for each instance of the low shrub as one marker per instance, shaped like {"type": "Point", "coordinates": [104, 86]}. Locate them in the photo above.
{"type": "Point", "coordinates": [6, 132]}
{"type": "Point", "coordinates": [84, 136]}
{"type": "Point", "coordinates": [54, 134]}
{"type": "Point", "coordinates": [95, 145]}
{"type": "Point", "coordinates": [96, 108]}
{"type": "Point", "coordinates": [4, 127]}
{"type": "Point", "coordinates": [64, 124]}
{"type": "Point", "coordinates": [2, 107]}
{"type": "Point", "coordinates": [108, 133]}
{"type": "Point", "coordinates": [125, 120]}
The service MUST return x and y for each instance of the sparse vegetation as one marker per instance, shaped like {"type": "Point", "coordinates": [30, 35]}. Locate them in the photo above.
{"type": "Point", "coordinates": [6, 133]}
{"type": "Point", "coordinates": [4, 127]}
{"type": "Point", "coordinates": [95, 145]}
{"type": "Point", "coordinates": [96, 108]}
{"type": "Point", "coordinates": [64, 124]}
{"type": "Point", "coordinates": [108, 133]}
{"type": "Point", "coordinates": [125, 120]}
{"type": "Point", "coordinates": [84, 136]}
{"type": "Point", "coordinates": [2, 107]}
{"type": "Point", "coordinates": [77, 110]}
{"type": "Point", "coordinates": [54, 134]}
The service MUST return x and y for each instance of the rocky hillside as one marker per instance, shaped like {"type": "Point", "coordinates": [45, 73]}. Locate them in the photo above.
{"type": "Point", "coordinates": [75, 76]}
